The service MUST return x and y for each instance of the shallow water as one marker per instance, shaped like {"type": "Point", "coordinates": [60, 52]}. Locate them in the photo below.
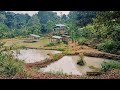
{"type": "Point", "coordinates": [68, 65]}
{"type": "Point", "coordinates": [65, 64]}
{"type": "Point", "coordinates": [33, 55]}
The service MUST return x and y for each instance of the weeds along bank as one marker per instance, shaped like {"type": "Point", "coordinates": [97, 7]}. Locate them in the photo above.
{"type": "Point", "coordinates": [10, 67]}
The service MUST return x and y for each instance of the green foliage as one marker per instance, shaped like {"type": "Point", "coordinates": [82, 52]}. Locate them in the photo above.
{"type": "Point", "coordinates": [110, 65]}
{"type": "Point", "coordinates": [60, 72]}
{"type": "Point", "coordinates": [12, 25]}
{"type": "Point", "coordinates": [115, 33]}
{"type": "Point", "coordinates": [67, 52]}
{"type": "Point", "coordinates": [50, 44]}
{"type": "Point", "coordinates": [82, 40]}
{"type": "Point", "coordinates": [82, 18]}
{"type": "Point", "coordinates": [60, 49]}
{"type": "Point", "coordinates": [55, 57]}
{"type": "Point", "coordinates": [99, 25]}
{"type": "Point", "coordinates": [9, 66]}
{"type": "Point", "coordinates": [109, 46]}
{"type": "Point", "coordinates": [81, 61]}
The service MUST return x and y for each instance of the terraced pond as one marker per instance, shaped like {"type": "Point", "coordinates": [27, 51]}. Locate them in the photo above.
{"type": "Point", "coordinates": [33, 55]}
{"type": "Point", "coordinates": [66, 65]}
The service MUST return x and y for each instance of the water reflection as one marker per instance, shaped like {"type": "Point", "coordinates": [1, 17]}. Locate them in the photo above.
{"type": "Point", "coordinates": [68, 65]}
{"type": "Point", "coordinates": [33, 55]}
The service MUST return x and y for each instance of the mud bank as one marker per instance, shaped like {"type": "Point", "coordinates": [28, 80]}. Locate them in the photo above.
{"type": "Point", "coordinates": [101, 55]}
{"type": "Point", "coordinates": [43, 63]}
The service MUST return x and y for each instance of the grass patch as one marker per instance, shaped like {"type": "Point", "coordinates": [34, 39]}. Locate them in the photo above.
{"type": "Point", "coordinates": [67, 52]}
{"type": "Point", "coordinates": [56, 57]}
{"type": "Point", "coordinates": [82, 40]}
{"type": "Point", "coordinates": [81, 61]}
{"type": "Point", "coordinates": [110, 65]}
{"type": "Point", "coordinates": [10, 66]}
{"type": "Point", "coordinates": [61, 49]}
{"type": "Point", "coordinates": [109, 46]}
{"type": "Point", "coordinates": [21, 43]}
{"type": "Point", "coordinates": [50, 44]}
{"type": "Point", "coordinates": [60, 72]}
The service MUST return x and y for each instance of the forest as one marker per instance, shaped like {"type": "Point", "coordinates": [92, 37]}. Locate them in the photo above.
{"type": "Point", "coordinates": [101, 28]}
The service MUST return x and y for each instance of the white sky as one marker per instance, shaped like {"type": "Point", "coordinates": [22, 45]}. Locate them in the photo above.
{"type": "Point", "coordinates": [33, 12]}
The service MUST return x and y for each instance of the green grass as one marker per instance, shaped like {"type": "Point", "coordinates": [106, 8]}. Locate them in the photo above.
{"type": "Point", "coordinates": [9, 66]}
{"type": "Point", "coordinates": [16, 42]}
{"type": "Point", "coordinates": [50, 44]}
{"type": "Point", "coordinates": [109, 46]}
{"type": "Point", "coordinates": [110, 65]}
{"type": "Point", "coordinates": [82, 40]}
{"type": "Point", "coordinates": [67, 52]}
{"type": "Point", "coordinates": [56, 57]}
{"type": "Point", "coordinates": [60, 72]}
{"type": "Point", "coordinates": [61, 49]}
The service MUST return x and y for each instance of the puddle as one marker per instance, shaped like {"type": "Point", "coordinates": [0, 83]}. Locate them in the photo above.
{"type": "Point", "coordinates": [68, 65]}
{"type": "Point", "coordinates": [33, 55]}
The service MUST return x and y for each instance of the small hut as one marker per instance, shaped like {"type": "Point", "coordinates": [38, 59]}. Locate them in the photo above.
{"type": "Point", "coordinates": [55, 39]}
{"type": "Point", "coordinates": [59, 28]}
{"type": "Point", "coordinates": [32, 38]}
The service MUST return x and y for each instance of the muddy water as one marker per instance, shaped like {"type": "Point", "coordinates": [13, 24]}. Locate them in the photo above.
{"type": "Point", "coordinates": [65, 64]}
{"type": "Point", "coordinates": [68, 65]}
{"type": "Point", "coordinates": [33, 55]}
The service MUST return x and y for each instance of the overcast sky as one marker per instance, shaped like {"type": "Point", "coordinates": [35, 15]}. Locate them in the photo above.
{"type": "Point", "coordinates": [33, 12]}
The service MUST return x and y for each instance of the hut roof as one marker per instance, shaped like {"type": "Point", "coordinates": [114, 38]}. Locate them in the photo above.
{"type": "Point", "coordinates": [57, 37]}
{"type": "Point", "coordinates": [60, 25]}
{"type": "Point", "coordinates": [34, 35]}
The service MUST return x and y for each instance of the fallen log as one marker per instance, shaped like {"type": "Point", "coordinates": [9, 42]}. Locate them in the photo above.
{"type": "Point", "coordinates": [93, 73]}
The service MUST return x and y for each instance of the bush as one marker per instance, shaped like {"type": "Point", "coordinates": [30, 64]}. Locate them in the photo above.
{"type": "Point", "coordinates": [109, 46]}
{"type": "Point", "coordinates": [60, 49]}
{"type": "Point", "coordinates": [82, 40]}
{"type": "Point", "coordinates": [50, 44]}
{"type": "Point", "coordinates": [10, 66]}
{"type": "Point", "coordinates": [56, 57]}
{"type": "Point", "coordinates": [67, 52]}
{"type": "Point", "coordinates": [110, 65]}
{"type": "Point", "coordinates": [57, 72]}
{"type": "Point", "coordinates": [80, 61]}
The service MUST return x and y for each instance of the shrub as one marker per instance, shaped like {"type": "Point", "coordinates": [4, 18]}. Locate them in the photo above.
{"type": "Point", "coordinates": [9, 66]}
{"type": "Point", "coordinates": [82, 40]}
{"type": "Point", "coordinates": [56, 57]}
{"type": "Point", "coordinates": [60, 49]}
{"type": "Point", "coordinates": [67, 52]}
{"type": "Point", "coordinates": [80, 61]}
{"type": "Point", "coordinates": [60, 72]}
{"type": "Point", "coordinates": [110, 65]}
{"type": "Point", "coordinates": [50, 44]}
{"type": "Point", "coordinates": [109, 46]}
